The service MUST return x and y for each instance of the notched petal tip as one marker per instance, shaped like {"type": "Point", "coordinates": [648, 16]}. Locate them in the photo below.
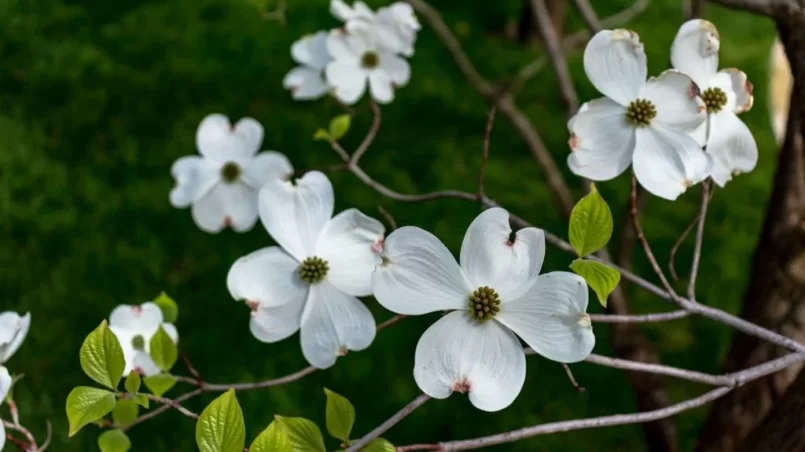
{"type": "Point", "coordinates": [623, 34]}
{"type": "Point", "coordinates": [462, 386]}
{"type": "Point", "coordinates": [585, 321]}
{"type": "Point", "coordinates": [573, 142]}
{"type": "Point", "coordinates": [342, 351]}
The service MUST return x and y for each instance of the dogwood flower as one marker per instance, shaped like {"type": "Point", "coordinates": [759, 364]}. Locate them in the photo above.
{"type": "Point", "coordinates": [13, 329]}
{"type": "Point", "coordinates": [642, 123]}
{"type": "Point", "coordinates": [222, 183]}
{"type": "Point", "coordinates": [394, 27]}
{"type": "Point", "coordinates": [307, 81]}
{"type": "Point", "coordinates": [726, 94]}
{"type": "Point", "coordinates": [311, 281]}
{"type": "Point", "coordinates": [134, 326]}
{"type": "Point", "coordinates": [358, 60]}
{"type": "Point", "coordinates": [496, 294]}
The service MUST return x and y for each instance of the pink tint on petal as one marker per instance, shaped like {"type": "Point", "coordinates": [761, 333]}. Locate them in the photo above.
{"type": "Point", "coordinates": [137, 310]}
{"type": "Point", "coordinates": [227, 221]}
{"type": "Point", "coordinates": [573, 142]}
{"type": "Point", "coordinates": [462, 386]}
{"type": "Point", "coordinates": [377, 247]}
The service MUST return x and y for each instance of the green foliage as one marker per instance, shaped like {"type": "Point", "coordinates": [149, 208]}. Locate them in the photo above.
{"type": "Point", "coordinates": [590, 223]}
{"type": "Point", "coordinates": [132, 383]}
{"type": "Point", "coordinates": [303, 434]}
{"type": "Point", "coordinates": [169, 308]}
{"type": "Point", "coordinates": [339, 126]}
{"type": "Point", "coordinates": [322, 135]}
{"type": "Point", "coordinates": [220, 427]}
{"type": "Point", "coordinates": [340, 415]}
{"type": "Point", "coordinates": [125, 412]}
{"type": "Point", "coordinates": [141, 399]}
{"type": "Point", "coordinates": [159, 384]}
{"type": "Point", "coordinates": [163, 351]}
{"type": "Point", "coordinates": [379, 445]}
{"type": "Point", "coordinates": [86, 405]}
{"type": "Point", "coordinates": [272, 439]}
{"type": "Point", "coordinates": [114, 441]}
{"type": "Point", "coordinates": [601, 278]}
{"type": "Point", "coordinates": [102, 358]}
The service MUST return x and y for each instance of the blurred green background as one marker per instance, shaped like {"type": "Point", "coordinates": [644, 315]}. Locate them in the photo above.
{"type": "Point", "coordinates": [98, 98]}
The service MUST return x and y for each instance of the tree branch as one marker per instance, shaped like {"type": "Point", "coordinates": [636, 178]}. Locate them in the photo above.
{"type": "Point", "coordinates": [390, 422]}
{"type": "Point", "coordinates": [588, 14]}
{"type": "Point", "coordinates": [543, 19]}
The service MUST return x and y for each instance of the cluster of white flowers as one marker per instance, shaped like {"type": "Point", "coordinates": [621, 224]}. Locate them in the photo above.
{"type": "Point", "coordinates": [13, 329]}
{"type": "Point", "coordinates": [367, 51]}
{"type": "Point", "coordinates": [661, 125]}
{"type": "Point", "coordinates": [134, 326]}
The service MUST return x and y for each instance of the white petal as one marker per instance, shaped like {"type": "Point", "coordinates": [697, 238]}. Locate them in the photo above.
{"type": "Point", "coordinates": [738, 89]}
{"type": "Point", "coordinates": [141, 319]}
{"type": "Point", "coordinates": [490, 259]}
{"type": "Point", "coordinates": [348, 80]}
{"type": "Point", "coordinates": [616, 64]}
{"type": "Point", "coordinates": [217, 139]}
{"type": "Point", "coordinates": [695, 50]}
{"type": "Point", "coordinates": [381, 86]}
{"type": "Point", "coordinates": [332, 323]}
{"type": "Point", "coordinates": [340, 10]}
{"type": "Point", "coordinates": [225, 205]}
{"type": "Point", "coordinates": [275, 323]}
{"type": "Point", "coordinates": [268, 276]}
{"type": "Point", "coordinates": [732, 147]}
{"type": "Point", "coordinates": [666, 162]}
{"type": "Point", "coordinates": [677, 101]}
{"type": "Point", "coordinates": [601, 140]}
{"type": "Point", "coordinates": [267, 166]}
{"type": "Point", "coordinates": [295, 214]}
{"type": "Point", "coordinates": [2, 436]}
{"type": "Point", "coordinates": [351, 243]}
{"type": "Point", "coordinates": [306, 83]}
{"type": "Point", "coordinates": [144, 364]}
{"type": "Point", "coordinates": [419, 275]}
{"type": "Point", "coordinates": [5, 386]}
{"type": "Point", "coordinates": [458, 353]}
{"type": "Point", "coordinates": [126, 339]}
{"type": "Point", "coordinates": [339, 46]}
{"type": "Point", "coordinates": [397, 68]}
{"type": "Point", "coordinates": [170, 330]}
{"type": "Point", "coordinates": [13, 331]}
{"type": "Point", "coordinates": [194, 177]}
{"type": "Point", "coordinates": [551, 317]}
{"type": "Point", "coordinates": [311, 50]}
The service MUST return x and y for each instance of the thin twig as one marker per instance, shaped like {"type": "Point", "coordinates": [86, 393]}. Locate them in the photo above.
{"type": "Point", "coordinates": [644, 318]}
{"type": "Point", "coordinates": [48, 437]}
{"type": "Point", "coordinates": [677, 244]}
{"type": "Point", "coordinates": [391, 321]}
{"type": "Point", "coordinates": [588, 14]}
{"type": "Point", "coordinates": [390, 422]}
{"type": "Point", "coordinates": [542, 17]}
{"type": "Point", "coordinates": [173, 404]}
{"type": "Point", "coordinates": [388, 217]}
{"type": "Point", "coordinates": [156, 412]}
{"type": "Point", "coordinates": [370, 137]}
{"type": "Point", "coordinates": [192, 370]}
{"type": "Point", "coordinates": [572, 378]}
{"type": "Point", "coordinates": [697, 249]}
{"type": "Point", "coordinates": [490, 120]}
{"type": "Point", "coordinates": [31, 446]}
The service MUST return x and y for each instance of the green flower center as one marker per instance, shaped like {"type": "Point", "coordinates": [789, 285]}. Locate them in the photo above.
{"type": "Point", "coordinates": [640, 112]}
{"type": "Point", "coordinates": [484, 303]}
{"type": "Point", "coordinates": [714, 99]}
{"type": "Point", "coordinates": [370, 60]}
{"type": "Point", "coordinates": [230, 172]}
{"type": "Point", "coordinates": [313, 269]}
{"type": "Point", "coordinates": [138, 342]}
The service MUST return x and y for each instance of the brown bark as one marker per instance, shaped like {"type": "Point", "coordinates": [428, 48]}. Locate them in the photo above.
{"type": "Point", "coordinates": [528, 28]}
{"type": "Point", "coordinates": [775, 298]}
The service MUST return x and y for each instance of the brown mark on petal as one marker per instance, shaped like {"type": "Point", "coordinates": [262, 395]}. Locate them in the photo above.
{"type": "Point", "coordinates": [463, 386]}
{"type": "Point", "coordinates": [585, 321]}
{"type": "Point", "coordinates": [253, 305]}
{"type": "Point", "coordinates": [342, 351]}
{"type": "Point", "coordinates": [573, 142]}
{"type": "Point", "coordinates": [227, 221]}
{"type": "Point", "coordinates": [137, 310]}
{"type": "Point", "coordinates": [377, 246]}
{"type": "Point", "coordinates": [687, 183]}
{"type": "Point", "coordinates": [385, 261]}
{"type": "Point", "coordinates": [749, 89]}
{"type": "Point", "coordinates": [693, 91]}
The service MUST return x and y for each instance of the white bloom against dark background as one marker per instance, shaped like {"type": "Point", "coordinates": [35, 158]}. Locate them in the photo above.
{"type": "Point", "coordinates": [221, 185]}
{"type": "Point", "coordinates": [393, 27]}
{"type": "Point", "coordinates": [311, 281]}
{"type": "Point", "coordinates": [307, 81]}
{"type": "Point", "coordinates": [726, 94]}
{"type": "Point", "coordinates": [13, 330]}
{"type": "Point", "coordinates": [496, 294]}
{"type": "Point", "coordinates": [642, 123]}
{"type": "Point", "coordinates": [134, 326]}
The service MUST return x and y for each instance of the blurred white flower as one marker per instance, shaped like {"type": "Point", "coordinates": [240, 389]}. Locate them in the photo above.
{"type": "Point", "coordinates": [726, 94]}
{"type": "Point", "coordinates": [357, 61]}
{"type": "Point", "coordinates": [222, 183]}
{"type": "Point", "coordinates": [393, 27]}
{"type": "Point", "coordinates": [496, 294]}
{"type": "Point", "coordinates": [311, 281]}
{"type": "Point", "coordinates": [642, 123]}
{"type": "Point", "coordinates": [13, 330]}
{"type": "Point", "coordinates": [307, 81]}
{"type": "Point", "coordinates": [134, 326]}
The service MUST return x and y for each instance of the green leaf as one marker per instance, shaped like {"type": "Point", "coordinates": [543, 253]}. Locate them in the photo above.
{"type": "Point", "coordinates": [132, 383]}
{"type": "Point", "coordinates": [339, 126]}
{"type": "Point", "coordinates": [322, 135]}
{"type": "Point", "coordinates": [125, 412]}
{"type": "Point", "coordinates": [340, 415]}
{"type": "Point", "coordinates": [114, 441]}
{"type": "Point", "coordinates": [601, 278]}
{"type": "Point", "coordinates": [102, 357]}
{"type": "Point", "coordinates": [590, 223]}
{"type": "Point", "coordinates": [163, 350]}
{"type": "Point", "coordinates": [220, 427]}
{"type": "Point", "coordinates": [304, 435]}
{"type": "Point", "coordinates": [159, 384]}
{"type": "Point", "coordinates": [273, 439]}
{"type": "Point", "coordinates": [141, 399]}
{"type": "Point", "coordinates": [86, 405]}
{"type": "Point", "coordinates": [170, 310]}
{"type": "Point", "coordinates": [379, 445]}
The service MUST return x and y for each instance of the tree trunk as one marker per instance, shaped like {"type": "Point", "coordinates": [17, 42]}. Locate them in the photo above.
{"type": "Point", "coordinates": [776, 295]}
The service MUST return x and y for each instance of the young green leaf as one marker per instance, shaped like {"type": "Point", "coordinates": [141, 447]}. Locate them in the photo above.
{"type": "Point", "coordinates": [132, 383]}
{"type": "Point", "coordinates": [125, 412]}
{"type": "Point", "coordinates": [159, 384]}
{"type": "Point", "coordinates": [163, 350]}
{"type": "Point", "coordinates": [220, 427]}
{"type": "Point", "coordinates": [340, 415]}
{"type": "Point", "coordinates": [379, 445]}
{"type": "Point", "coordinates": [102, 357]}
{"type": "Point", "coordinates": [601, 278]}
{"type": "Point", "coordinates": [590, 223]}
{"type": "Point", "coordinates": [272, 439]}
{"type": "Point", "coordinates": [339, 126]}
{"type": "Point", "coordinates": [86, 405]}
{"type": "Point", "coordinates": [114, 441]}
{"type": "Point", "coordinates": [303, 434]}
{"type": "Point", "coordinates": [322, 135]}
{"type": "Point", "coordinates": [169, 308]}
{"type": "Point", "coordinates": [141, 399]}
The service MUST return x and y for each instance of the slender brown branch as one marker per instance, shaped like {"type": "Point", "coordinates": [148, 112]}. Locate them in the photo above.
{"type": "Point", "coordinates": [697, 250]}
{"type": "Point", "coordinates": [48, 437]}
{"type": "Point", "coordinates": [156, 412]}
{"type": "Point", "coordinates": [391, 321]}
{"type": "Point", "coordinates": [644, 318]}
{"type": "Point", "coordinates": [31, 446]}
{"type": "Point", "coordinates": [388, 217]}
{"type": "Point", "coordinates": [490, 121]}
{"type": "Point", "coordinates": [370, 137]}
{"type": "Point", "coordinates": [572, 378]}
{"type": "Point", "coordinates": [542, 17]}
{"type": "Point", "coordinates": [588, 14]}
{"type": "Point", "coordinates": [390, 422]}
{"type": "Point", "coordinates": [677, 244]}
{"type": "Point", "coordinates": [173, 404]}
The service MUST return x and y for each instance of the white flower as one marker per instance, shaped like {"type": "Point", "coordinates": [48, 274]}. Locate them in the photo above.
{"type": "Point", "coordinates": [13, 330]}
{"type": "Point", "coordinates": [726, 94]}
{"type": "Point", "coordinates": [134, 327]}
{"type": "Point", "coordinates": [494, 294]}
{"type": "Point", "coordinates": [358, 61]}
{"type": "Point", "coordinates": [642, 123]}
{"type": "Point", "coordinates": [393, 27]}
{"type": "Point", "coordinates": [312, 280]}
{"type": "Point", "coordinates": [222, 183]}
{"type": "Point", "coordinates": [307, 81]}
